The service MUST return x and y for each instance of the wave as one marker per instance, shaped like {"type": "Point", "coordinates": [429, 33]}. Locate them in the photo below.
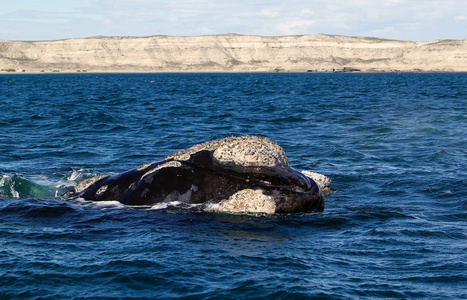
{"type": "Point", "coordinates": [17, 186]}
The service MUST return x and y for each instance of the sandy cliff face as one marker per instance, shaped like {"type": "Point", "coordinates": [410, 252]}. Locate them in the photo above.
{"type": "Point", "coordinates": [238, 53]}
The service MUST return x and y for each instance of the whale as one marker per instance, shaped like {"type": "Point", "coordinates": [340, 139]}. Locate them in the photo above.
{"type": "Point", "coordinates": [243, 174]}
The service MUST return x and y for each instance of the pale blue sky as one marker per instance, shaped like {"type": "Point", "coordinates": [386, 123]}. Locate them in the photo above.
{"type": "Point", "coordinates": [416, 20]}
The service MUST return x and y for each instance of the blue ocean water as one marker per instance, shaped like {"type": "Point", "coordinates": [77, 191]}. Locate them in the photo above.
{"type": "Point", "coordinates": [394, 145]}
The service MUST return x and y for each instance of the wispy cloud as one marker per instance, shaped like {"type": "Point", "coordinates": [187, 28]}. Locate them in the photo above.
{"type": "Point", "coordinates": [270, 12]}
{"type": "Point", "coordinates": [298, 26]}
{"type": "Point", "coordinates": [396, 19]}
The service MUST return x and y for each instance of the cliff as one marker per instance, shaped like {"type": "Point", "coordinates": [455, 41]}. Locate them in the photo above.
{"type": "Point", "coordinates": [233, 53]}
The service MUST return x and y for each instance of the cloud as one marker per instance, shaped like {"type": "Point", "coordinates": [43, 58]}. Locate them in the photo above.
{"type": "Point", "coordinates": [269, 12]}
{"type": "Point", "coordinates": [393, 19]}
{"type": "Point", "coordinates": [298, 26]}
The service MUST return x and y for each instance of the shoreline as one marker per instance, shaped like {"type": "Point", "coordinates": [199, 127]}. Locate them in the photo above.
{"type": "Point", "coordinates": [232, 53]}
{"type": "Point", "coordinates": [228, 72]}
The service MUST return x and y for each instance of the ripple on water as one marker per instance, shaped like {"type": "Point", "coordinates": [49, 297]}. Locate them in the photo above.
{"type": "Point", "coordinates": [393, 144]}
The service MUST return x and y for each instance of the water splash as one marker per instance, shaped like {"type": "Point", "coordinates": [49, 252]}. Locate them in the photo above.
{"type": "Point", "coordinates": [15, 186]}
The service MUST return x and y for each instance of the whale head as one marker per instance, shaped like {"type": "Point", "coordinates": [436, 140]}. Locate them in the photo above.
{"type": "Point", "coordinates": [234, 174]}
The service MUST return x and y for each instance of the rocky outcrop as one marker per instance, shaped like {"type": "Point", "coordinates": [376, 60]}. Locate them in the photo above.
{"type": "Point", "coordinates": [233, 53]}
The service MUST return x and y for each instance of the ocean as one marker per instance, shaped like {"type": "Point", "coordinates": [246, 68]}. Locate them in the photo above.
{"type": "Point", "coordinates": [394, 225]}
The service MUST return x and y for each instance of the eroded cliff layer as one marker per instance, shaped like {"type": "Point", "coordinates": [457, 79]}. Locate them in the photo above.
{"type": "Point", "coordinates": [233, 53]}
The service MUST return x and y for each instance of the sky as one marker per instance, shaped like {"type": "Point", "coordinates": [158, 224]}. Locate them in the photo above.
{"type": "Point", "coordinates": [414, 20]}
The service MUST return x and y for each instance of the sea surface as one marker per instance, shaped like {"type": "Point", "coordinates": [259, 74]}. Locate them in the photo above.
{"type": "Point", "coordinates": [394, 226]}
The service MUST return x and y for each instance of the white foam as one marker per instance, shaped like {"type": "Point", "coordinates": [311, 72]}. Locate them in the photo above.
{"type": "Point", "coordinates": [108, 204]}
{"type": "Point", "coordinates": [7, 182]}
{"type": "Point", "coordinates": [75, 175]}
{"type": "Point", "coordinates": [2, 179]}
{"type": "Point", "coordinates": [164, 205]}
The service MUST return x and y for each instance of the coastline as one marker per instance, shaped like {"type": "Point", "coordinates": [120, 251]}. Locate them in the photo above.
{"type": "Point", "coordinates": [228, 72]}
{"type": "Point", "coordinates": [232, 53]}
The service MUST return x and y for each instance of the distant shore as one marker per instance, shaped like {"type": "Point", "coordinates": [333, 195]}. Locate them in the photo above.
{"type": "Point", "coordinates": [225, 72]}
{"type": "Point", "coordinates": [232, 53]}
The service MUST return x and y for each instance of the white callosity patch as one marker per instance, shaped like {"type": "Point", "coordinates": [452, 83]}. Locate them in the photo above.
{"type": "Point", "coordinates": [145, 166]}
{"type": "Point", "coordinates": [248, 151]}
{"type": "Point", "coordinates": [251, 151]}
{"type": "Point", "coordinates": [170, 164]}
{"type": "Point", "coordinates": [321, 180]}
{"type": "Point", "coordinates": [148, 175]}
{"type": "Point", "coordinates": [88, 182]}
{"type": "Point", "coordinates": [247, 201]}
{"type": "Point", "coordinates": [101, 190]}
{"type": "Point", "coordinates": [185, 154]}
